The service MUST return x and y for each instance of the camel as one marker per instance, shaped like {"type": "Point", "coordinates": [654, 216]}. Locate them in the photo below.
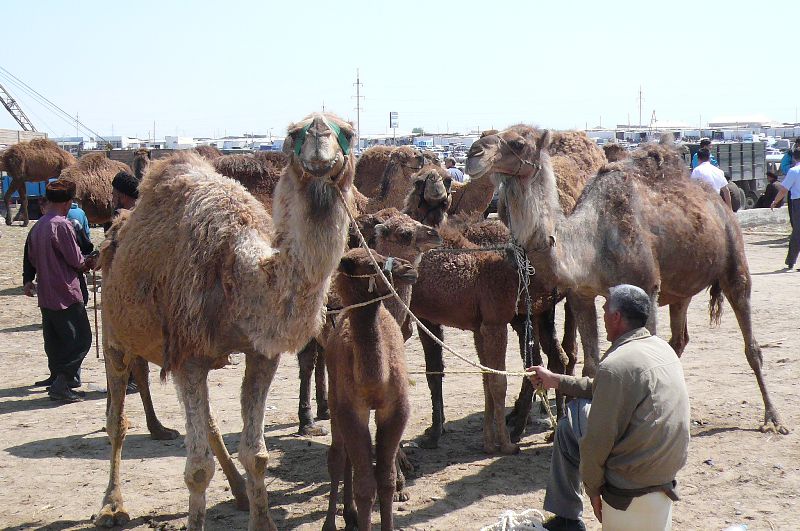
{"type": "Point", "coordinates": [220, 276]}
{"type": "Point", "coordinates": [31, 161]}
{"type": "Point", "coordinates": [367, 371]}
{"type": "Point", "coordinates": [210, 153]}
{"type": "Point", "coordinates": [92, 175]}
{"type": "Point", "coordinates": [493, 234]}
{"type": "Point", "coordinates": [614, 152]}
{"type": "Point", "coordinates": [258, 175]}
{"type": "Point", "coordinates": [380, 166]}
{"type": "Point", "coordinates": [141, 160]}
{"type": "Point", "coordinates": [640, 221]}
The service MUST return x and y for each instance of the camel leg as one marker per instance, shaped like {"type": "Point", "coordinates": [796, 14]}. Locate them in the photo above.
{"type": "Point", "coordinates": [569, 342]}
{"type": "Point", "coordinates": [23, 199]}
{"type": "Point", "coordinates": [349, 511]}
{"type": "Point", "coordinates": [113, 512]}
{"type": "Point", "coordinates": [358, 444]}
{"type": "Point", "coordinates": [557, 359]}
{"type": "Point", "coordinates": [13, 187]}
{"type": "Point", "coordinates": [531, 355]}
{"type": "Point", "coordinates": [434, 362]}
{"type": "Point", "coordinates": [305, 360]}
{"type": "Point", "coordinates": [678, 325]}
{"type": "Point", "coordinates": [158, 432]}
{"type": "Point", "coordinates": [235, 479]}
{"type": "Point", "coordinates": [258, 375]}
{"type": "Point", "coordinates": [652, 319]}
{"type": "Point", "coordinates": [191, 381]}
{"type": "Point", "coordinates": [336, 467]}
{"type": "Point", "coordinates": [586, 317]}
{"type": "Point", "coordinates": [402, 466]}
{"type": "Point", "coordinates": [320, 385]}
{"type": "Point", "coordinates": [491, 342]}
{"type": "Point", "coordinates": [390, 426]}
{"type": "Point", "coordinates": [738, 294]}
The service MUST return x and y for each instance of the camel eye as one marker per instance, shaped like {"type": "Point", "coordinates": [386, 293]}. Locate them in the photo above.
{"type": "Point", "coordinates": [516, 144]}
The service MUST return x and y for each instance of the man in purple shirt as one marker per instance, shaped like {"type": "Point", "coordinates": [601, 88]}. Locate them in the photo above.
{"type": "Point", "coordinates": [54, 253]}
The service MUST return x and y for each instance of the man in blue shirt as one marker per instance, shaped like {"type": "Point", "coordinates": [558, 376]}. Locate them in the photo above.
{"type": "Point", "coordinates": [76, 213]}
{"type": "Point", "coordinates": [791, 185]}
{"type": "Point", "coordinates": [786, 161]}
{"type": "Point", "coordinates": [456, 174]}
{"type": "Point", "coordinates": [704, 144]}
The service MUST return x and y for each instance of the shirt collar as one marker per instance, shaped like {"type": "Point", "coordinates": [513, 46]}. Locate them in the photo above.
{"type": "Point", "coordinates": [627, 337]}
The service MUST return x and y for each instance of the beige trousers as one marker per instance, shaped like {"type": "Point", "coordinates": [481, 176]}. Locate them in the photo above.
{"type": "Point", "coordinates": [651, 512]}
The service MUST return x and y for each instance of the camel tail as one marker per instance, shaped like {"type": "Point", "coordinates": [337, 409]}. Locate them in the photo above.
{"type": "Point", "coordinates": [715, 304]}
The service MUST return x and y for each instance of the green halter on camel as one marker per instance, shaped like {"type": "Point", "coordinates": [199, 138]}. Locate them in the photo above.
{"type": "Point", "coordinates": [340, 137]}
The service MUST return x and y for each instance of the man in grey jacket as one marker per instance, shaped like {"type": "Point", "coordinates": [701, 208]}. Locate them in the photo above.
{"type": "Point", "coordinates": [627, 433]}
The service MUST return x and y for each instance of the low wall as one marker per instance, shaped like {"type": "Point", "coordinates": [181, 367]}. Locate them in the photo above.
{"type": "Point", "coordinates": [764, 218]}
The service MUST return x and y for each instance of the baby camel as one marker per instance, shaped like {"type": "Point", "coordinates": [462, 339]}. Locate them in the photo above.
{"type": "Point", "coordinates": [367, 371]}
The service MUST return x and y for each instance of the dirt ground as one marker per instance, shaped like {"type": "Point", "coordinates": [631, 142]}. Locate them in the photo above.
{"type": "Point", "coordinates": [53, 458]}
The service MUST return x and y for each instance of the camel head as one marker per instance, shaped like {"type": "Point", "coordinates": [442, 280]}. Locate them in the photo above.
{"type": "Point", "coordinates": [401, 236]}
{"type": "Point", "coordinates": [514, 153]}
{"type": "Point", "coordinates": [319, 149]}
{"type": "Point", "coordinates": [358, 281]}
{"type": "Point", "coordinates": [409, 158]}
{"type": "Point", "coordinates": [429, 198]}
{"type": "Point", "coordinates": [614, 152]}
{"type": "Point", "coordinates": [141, 158]}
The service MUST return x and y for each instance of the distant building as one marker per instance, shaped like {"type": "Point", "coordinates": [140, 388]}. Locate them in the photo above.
{"type": "Point", "coordinates": [179, 142]}
{"type": "Point", "coordinates": [75, 144]}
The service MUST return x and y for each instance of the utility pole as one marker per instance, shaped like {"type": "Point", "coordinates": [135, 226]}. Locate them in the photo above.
{"type": "Point", "coordinates": [76, 124]}
{"type": "Point", "coordinates": [358, 108]}
{"type": "Point", "coordinates": [323, 105]}
{"type": "Point", "coordinates": [640, 105]}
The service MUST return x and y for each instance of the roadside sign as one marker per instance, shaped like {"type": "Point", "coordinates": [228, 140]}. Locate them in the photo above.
{"type": "Point", "coordinates": [393, 120]}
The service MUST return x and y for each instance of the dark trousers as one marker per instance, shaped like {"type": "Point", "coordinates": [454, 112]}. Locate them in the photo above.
{"type": "Point", "coordinates": [67, 339]}
{"type": "Point", "coordinates": [794, 239]}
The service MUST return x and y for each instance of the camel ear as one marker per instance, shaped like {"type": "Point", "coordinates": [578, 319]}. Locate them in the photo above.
{"type": "Point", "coordinates": [347, 265]}
{"type": "Point", "coordinates": [545, 140]}
{"type": "Point", "coordinates": [448, 182]}
{"type": "Point", "coordinates": [489, 132]}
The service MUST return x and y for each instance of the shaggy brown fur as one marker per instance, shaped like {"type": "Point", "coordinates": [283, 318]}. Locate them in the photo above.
{"type": "Point", "coordinates": [141, 160]}
{"type": "Point", "coordinates": [31, 161]}
{"type": "Point", "coordinates": [199, 248]}
{"type": "Point", "coordinates": [367, 370]}
{"type": "Point", "coordinates": [208, 152]}
{"type": "Point", "coordinates": [257, 175]}
{"type": "Point", "coordinates": [641, 222]}
{"type": "Point", "coordinates": [474, 291]}
{"type": "Point", "coordinates": [614, 152]}
{"type": "Point", "coordinates": [92, 175]}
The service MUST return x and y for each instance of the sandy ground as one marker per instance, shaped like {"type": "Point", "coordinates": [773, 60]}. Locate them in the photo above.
{"type": "Point", "coordinates": [53, 458]}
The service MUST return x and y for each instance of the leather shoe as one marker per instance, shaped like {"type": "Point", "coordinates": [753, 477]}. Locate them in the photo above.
{"type": "Point", "coordinates": [60, 391]}
{"type": "Point", "coordinates": [559, 523]}
{"type": "Point", "coordinates": [72, 383]}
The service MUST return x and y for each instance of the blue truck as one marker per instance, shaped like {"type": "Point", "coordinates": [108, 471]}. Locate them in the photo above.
{"type": "Point", "coordinates": [34, 190]}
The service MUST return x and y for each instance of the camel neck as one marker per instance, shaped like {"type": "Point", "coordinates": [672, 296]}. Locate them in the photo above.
{"type": "Point", "coordinates": [538, 222]}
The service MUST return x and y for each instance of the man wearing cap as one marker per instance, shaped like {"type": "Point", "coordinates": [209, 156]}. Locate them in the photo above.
{"type": "Point", "coordinates": [125, 191]}
{"type": "Point", "coordinates": [704, 144]}
{"type": "Point", "coordinates": [54, 253]}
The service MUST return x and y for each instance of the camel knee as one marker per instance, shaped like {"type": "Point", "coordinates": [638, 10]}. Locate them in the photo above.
{"type": "Point", "coordinates": [254, 463]}
{"type": "Point", "coordinates": [198, 473]}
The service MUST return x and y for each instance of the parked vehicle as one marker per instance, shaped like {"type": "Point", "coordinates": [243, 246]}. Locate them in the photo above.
{"type": "Point", "coordinates": [744, 163]}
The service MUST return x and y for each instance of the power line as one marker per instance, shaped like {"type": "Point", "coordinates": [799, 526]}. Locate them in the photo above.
{"type": "Point", "coordinates": [53, 105]}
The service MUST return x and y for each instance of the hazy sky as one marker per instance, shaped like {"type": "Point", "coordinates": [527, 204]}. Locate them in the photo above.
{"type": "Point", "coordinates": [206, 68]}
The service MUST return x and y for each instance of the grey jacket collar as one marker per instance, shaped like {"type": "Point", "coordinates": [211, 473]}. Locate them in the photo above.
{"type": "Point", "coordinates": [627, 337]}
